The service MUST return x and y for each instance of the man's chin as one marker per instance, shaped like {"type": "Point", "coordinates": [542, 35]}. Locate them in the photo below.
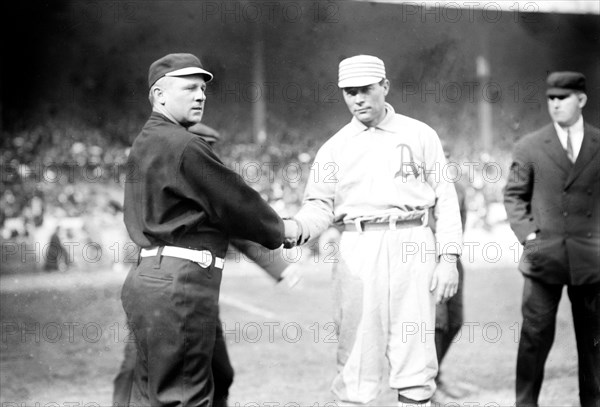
{"type": "Point", "coordinates": [564, 122]}
{"type": "Point", "coordinates": [196, 119]}
{"type": "Point", "coordinates": [364, 118]}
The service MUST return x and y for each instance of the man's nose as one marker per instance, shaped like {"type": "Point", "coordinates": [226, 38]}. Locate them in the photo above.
{"type": "Point", "coordinates": [200, 95]}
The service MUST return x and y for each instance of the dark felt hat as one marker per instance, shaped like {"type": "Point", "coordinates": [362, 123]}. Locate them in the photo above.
{"type": "Point", "coordinates": [565, 83]}
{"type": "Point", "coordinates": [176, 65]}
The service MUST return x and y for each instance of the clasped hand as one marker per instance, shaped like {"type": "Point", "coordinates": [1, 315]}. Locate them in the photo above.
{"type": "Point", "coordinates": [292, 233]}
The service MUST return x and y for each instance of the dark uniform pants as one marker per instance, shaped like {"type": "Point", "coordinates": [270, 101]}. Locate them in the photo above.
{"type": "Point", "coordinates": [540, 303]}
{"type": "Point", "coordinates": [449, 318]}
{"type": "Point", "coordinates": [172, 308]}
{"type": "Point", "coordinates": [221, 368]}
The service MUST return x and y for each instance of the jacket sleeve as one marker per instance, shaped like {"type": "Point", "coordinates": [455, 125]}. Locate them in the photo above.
{"type": "Point", "coordinates": [518, 192]}
{"type": "Point", "coordinates": [461, 194]}
{"type": "Point", "coordinates": [232, 206]}
{"type": "Point", "coordinates": [272, 262]}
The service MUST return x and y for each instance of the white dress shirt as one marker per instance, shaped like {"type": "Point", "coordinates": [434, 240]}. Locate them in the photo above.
{"type": "Point", "coordinates": [576, 131]}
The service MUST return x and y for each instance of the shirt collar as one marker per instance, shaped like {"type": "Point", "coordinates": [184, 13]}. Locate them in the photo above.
{"type": "Point", "coordinates": [385, 124]}
{"type": "Point", "coordinates": [577, 127]}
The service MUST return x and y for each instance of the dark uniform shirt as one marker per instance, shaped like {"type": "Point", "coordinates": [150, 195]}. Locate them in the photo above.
{"type": "Point", "coordinates": [179, 193]}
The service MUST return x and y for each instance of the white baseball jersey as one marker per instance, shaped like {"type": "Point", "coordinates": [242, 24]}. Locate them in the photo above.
{"type": "Point", "coordinates": [391, 169]}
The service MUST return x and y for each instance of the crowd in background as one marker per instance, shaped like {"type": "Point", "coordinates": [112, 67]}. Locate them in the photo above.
{"type": "Point", "coordinates": [55, 173]}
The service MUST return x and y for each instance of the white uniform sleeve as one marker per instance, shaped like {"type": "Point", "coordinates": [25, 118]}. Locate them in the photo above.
{"type": "Point", "coordinates": [448, 229]}
{"type": "Point", "coordinates": [316, 214]}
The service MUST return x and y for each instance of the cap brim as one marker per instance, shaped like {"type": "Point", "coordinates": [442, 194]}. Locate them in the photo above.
{"type": "Point", "coordinates": [559, 92]}
{"type": "Point", "coordinates": [192, 70]}
{"type": "Point", "coordinates": [359, 82]}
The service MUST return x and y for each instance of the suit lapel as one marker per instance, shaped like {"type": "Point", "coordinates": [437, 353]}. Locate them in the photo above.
{"type": "Point", "coordinates": [589, 148]}
{"type": "Point", "coordinates": [551, 145]}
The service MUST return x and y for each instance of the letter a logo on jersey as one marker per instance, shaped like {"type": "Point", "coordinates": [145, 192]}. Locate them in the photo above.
{"type": "Point", "coordinates": [407, 164]}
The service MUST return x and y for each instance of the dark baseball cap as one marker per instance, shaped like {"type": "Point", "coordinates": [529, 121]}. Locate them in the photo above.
{"type": "Point", "coordinates": [565, 83]}
{"type": "Point", "coordinates": [176, 65]}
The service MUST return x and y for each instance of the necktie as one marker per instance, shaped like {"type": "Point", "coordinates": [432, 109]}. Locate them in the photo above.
{"type": "Point", "coordinates": [570, 153]}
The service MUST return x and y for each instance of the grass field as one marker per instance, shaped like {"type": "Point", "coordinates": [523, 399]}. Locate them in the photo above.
{"type": "Point", "coordinates": [63, 335]}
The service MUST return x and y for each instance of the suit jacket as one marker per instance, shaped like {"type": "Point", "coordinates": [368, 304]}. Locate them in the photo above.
{"type": "Point", "coordinates": [560, 201]}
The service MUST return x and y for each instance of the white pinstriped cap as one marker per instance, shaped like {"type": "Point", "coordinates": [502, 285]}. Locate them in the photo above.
{"type": "Point", "coordinates": [360, 70]}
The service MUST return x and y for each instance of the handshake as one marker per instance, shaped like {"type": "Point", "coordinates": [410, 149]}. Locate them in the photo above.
{"type": "Point", "coordinates": [293, 233]}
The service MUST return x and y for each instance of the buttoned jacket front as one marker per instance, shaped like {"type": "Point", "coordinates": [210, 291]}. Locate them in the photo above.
{"type": "Point", "coordinates": [560, 202]}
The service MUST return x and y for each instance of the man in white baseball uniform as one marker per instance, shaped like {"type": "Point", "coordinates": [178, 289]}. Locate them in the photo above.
{"type": "Point", "coordinates": [381, 176]}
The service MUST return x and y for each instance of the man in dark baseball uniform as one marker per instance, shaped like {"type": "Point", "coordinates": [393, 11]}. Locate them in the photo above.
{"type": "Point", "coordinates": [182, 205]}
{"type": "Point", "coordinates": [271, 262]}
{"type": "Point", "coordinates": [552, 199]}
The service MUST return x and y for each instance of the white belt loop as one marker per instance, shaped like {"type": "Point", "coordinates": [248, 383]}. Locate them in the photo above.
{"type": "Point", "coordinates": [358, 225]}
{"type": "Point", "coordinates": [393, 220]}
{"type": "Point", "coordinates": [149, 252]}
{"type": "Point", "coordinates": [426, 218]}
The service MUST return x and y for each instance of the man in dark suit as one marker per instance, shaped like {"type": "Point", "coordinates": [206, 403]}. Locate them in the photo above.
{"type": "Point", "coordinates": [552, 200]}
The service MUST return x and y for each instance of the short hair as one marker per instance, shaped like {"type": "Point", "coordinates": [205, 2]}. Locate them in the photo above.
{"type": "Point", "coordinates": [164, 80]}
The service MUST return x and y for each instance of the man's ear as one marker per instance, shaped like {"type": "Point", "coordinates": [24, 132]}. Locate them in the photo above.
{"type": "Point", "coordinates": [582, 100]}
{"type": "Point", "coordinates": [158, 94]}
{"type": "Point", "coordinates": [386, 87]}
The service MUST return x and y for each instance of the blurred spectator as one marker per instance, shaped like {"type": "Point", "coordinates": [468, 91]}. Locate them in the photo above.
{"type": "Point", "coordinates": [56, 255]}
{"type": "Point", "coordinates": [37, 208]}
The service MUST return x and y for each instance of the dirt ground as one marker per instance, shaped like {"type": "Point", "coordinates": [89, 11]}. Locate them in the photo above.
{"type": "Point", "coordinates": [63, 336]}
